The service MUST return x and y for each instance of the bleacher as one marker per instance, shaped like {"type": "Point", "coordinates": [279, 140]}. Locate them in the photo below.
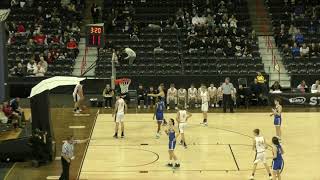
{"type": "Point", "coordinates": [177, 58]}
{"type": "Point", "coordinates": [302, 17]}
{"type": "Point", "coordinates": [48, 18]}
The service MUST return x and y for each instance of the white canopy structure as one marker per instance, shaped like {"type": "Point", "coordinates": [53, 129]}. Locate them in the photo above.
{"type": "Point", "coordinates": [54, 82]}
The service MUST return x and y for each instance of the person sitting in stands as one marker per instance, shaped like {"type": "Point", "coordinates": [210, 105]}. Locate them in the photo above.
{"type": "Point", "coordinates": [242, 96]}
{"type": "Point", "coordinates": [31, 66]}
{"type": "Point", "coordinates": [295, 50]}
{"type": "Point", "coordinates": [299, 37]}
{"type": "Point", "coordinates": [302, 86]}
{"type": "Point", "coordinates": [10, 114]}
{"type": "Point", "coordinates": [18, 70]}
{"type": "Point", "coordinates": [304, 50]}
{"type": "Point", "coordinates": [15, 105]}
{"type": "Point", "coordinates": [315, 88]}
{"type": "Point", "coordinates": [3, 117]}
{"type": "Point", "coordinates": [256, 91]}
{"type": "Point", "coordinates": [39, 71]}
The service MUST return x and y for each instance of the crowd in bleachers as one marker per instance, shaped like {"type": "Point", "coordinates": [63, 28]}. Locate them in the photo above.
{"type": "Point", "coordinates": [297, 34]}
{"type": "Point", "coordinates": [43, 36]}
{"type": "Point", "coordinates": [181, 37]}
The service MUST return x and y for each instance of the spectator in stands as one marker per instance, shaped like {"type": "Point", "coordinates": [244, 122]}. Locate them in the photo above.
{"type": "Point", "coordinates": [287, 51]}
{"type": "Point", "coordinates": [40, 39]}
{"type": "Point", "coordinates": [3, 117]}
{"type": "Point", "coordinates": [242, 96]}
{"type": "Point", "coordinates": [229, 50]}
{"type": "Point", "coordinates": [72, 46]}
{"type": "Point", "coordinates": [295, 50]}
{"type": "Point", "coordinates": [31, 66]}
{"type": "Point", "coordinates": [10, 114]}
{"type": "Point", "coordinates": [108, 94]}
{"type": "Point", "coordinates": [21, 29]}
{"type": "Point", "coordinates": [304, 50]}
{"type": "Point", "coordinates": [95, 13]}
{"type": "Point", "coordinates": [131, 55]}
{"type": "Point", "coordinates": [196, 20]}
{"type": "Point", "coordinates": [39, 71]}
{"type": "Point", "coordinates": [256, 91]}
{"type": "Point", "coordinates": [15, 105]}
{"type": "Point", "coordinates": [43, 63]}
{"type": "Point", "coordinates": [314, 50]}
{"type": "Point", "coordinates": [260, 79]}
{"type": "Point", "coordinates": [311, 28]}
{"type": "Point", "coordinates": [315, 88]}
{"type": "Point", "coordinates": [299, 38]}
{"type": "Point", "coordinates": [233, 22]}
{"type": "Point", "coordinates": [276, 87]}
{"type": "Point", "coordinates": [142, 94]}
{"type": "Point", "coordinates": [302, 87]}
{"type": "Point", "coordinates": [18, 70]}
{"type": "Point", "coordinates": [292, 30]}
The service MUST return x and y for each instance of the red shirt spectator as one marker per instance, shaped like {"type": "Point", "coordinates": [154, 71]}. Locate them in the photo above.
{"type": "Point", "coordinates": [21, 28]}
{"type": "Point", "coordinates": [72, 44]}
{"type": "Point", "coordinates": [56, 40]}
{"type": "Point", "coordinates": [7, 110]}
{"type": "Point", "coordinates": [39, 39]}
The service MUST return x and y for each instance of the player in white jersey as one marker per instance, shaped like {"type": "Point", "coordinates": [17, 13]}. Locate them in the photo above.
{"type": "Point", "coordinates": [172, 96]}
{"type": "Point", "coordinates": [192, 96]}
{"type": "Point", "coordinates": [260, 146]}
{"type": "Point", "coordinates": [213, 95]}
{"type": "Point", "coordinates": [77, 97]}
{"type": "Point", "coordinates": [182, 118]}
{"type": "Point", "coordinates": [182, 97]}
{"type": "Point", "coordinates": [234, 96]}
{"type": "Point", "coordinates": [219, 95]}
{"type": "Point", "coordinates": [119, 111]}
{"type": "Point", "coordinates": [204, 95]}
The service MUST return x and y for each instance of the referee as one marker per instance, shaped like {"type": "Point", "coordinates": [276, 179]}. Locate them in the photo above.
{"type": "Point", "coordinates": [67, 154]}
{"type": "Point", "coordinates": [227, 89]}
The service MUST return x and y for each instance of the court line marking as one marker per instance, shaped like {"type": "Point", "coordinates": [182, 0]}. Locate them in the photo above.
{"type": "Point", "coordinates": [53, 177]}
{"type": "Point", "coordinates": [10, 170]}
{"type": "Point", "coordinates": [234, 158]}
{"type": "Point", "coordinates": [189, 170]}
{"type": "Point", "coordinates": [77, 127]}
{"type": "Point", "coordinates": [86, 149]}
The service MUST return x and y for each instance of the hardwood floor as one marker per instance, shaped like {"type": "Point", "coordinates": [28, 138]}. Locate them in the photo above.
{"type": "Point", "coordinates": [220, 151]}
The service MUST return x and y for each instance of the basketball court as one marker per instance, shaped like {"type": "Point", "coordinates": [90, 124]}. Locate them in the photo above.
{"type": "Point", "coordinates": [221, 151]}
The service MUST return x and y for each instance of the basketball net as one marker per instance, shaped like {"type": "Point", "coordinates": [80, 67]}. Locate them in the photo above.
{"type": "Point", "coordinates": [124, 84]}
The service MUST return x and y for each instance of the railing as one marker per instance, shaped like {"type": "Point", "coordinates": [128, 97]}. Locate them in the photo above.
{"type": "Point", "coordinates": [84, 61]}
{"type": "Point", "coordinates": [275, 63]}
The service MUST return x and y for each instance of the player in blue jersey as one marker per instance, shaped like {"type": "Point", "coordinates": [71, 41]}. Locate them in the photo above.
{"type": "Point", "coordinates": [173, 135]}
{"type": "Point", "coordinates": [158, 114]}
{"type": "Point", "coordinates": [277, 163]}
{"type": "Point", "coordinates": [276, 112]}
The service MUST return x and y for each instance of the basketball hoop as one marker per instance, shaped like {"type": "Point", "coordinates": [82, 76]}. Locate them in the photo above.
{"type": "Point", "coordinates": [124, 84]}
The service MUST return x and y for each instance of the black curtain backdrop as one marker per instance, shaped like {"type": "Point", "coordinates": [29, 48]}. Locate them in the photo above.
{"type": "Point", "coordinates": [3, 63]}
{"type": "Point", "coordinates": [41, 118]}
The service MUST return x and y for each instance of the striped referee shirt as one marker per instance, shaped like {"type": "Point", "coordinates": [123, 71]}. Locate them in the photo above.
{"type": "Point", "coordinates": [68, 149]}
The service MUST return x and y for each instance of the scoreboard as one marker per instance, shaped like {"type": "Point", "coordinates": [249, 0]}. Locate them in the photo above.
{"type": "Point", "coordinates": [95, 35]}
